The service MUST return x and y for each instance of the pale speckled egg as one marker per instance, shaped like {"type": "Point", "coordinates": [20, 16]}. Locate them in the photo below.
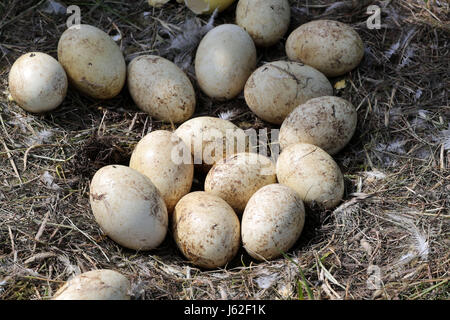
{"type": "Point", "coordinates": [95, 285]}
{"type": "Point", "coordinates": [206, 230]}
{"type": "Point", "coordinates": [37, 82]}
{"type": "Point", "coordinates": [235, 179]}
{"type": "Point", "coordinates": [210, 139]}
{"type": "Point", "coordinates": [161, 89]}
{"type": "Point", "coordinates": [332, 47]}
{"type": "Point", "coordinates": [311, 172]}
{"type": "Point", "coordinates": [272, 222]}
{"type": "Point", "coordinates": [128, 207]}
{"type": "Point", "coordinates": [266, 21]}
{"type": "Point", "coordinates": [277, 88]}
{"type": "Point", "coordinates": [156, 156]}
{"type": "Point", "coordinates": [225, 58]}
{"type": "Point", "coordinates": [92, 60]}
{"type": "Point", "coordinates": [327, 122]}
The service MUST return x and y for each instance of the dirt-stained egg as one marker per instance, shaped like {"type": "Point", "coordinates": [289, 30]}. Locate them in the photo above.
{"type": "Point", "coordinates": [224, 60]}
{"type": "Point", "coordinates": [236, 178]}
{"type": "Point", "coordinates": [206, 229]}
{"type": "Point", "coordinates": [266, 21]}
{"type": "Point", "coordinates": [157, 156]}
{"type": "Point", "coordinates": [327, 122]}
{"type": "Point", "coordinates": [210, 139]}
{"type": "Point", "coordinates": [207, 6]}
{"type": "Point", "coordinates": [37, 82]}
{"type": "Point", "coordinates": [332, 47]}
{"type": "Point", "coordinates": [100, 284]}
{"type": "Point", "coordinates": [311, 172]}
{"type": "Point", "coordinates": [128, 207]}
{"type": "Point", "coordinates": [277, 88]}
{"type": "Point", "coordinates": [93, 61]}
{"type": "Point", "coordinates": [272, 221]}
{"type": "Point", "coordinates": [161, 89]}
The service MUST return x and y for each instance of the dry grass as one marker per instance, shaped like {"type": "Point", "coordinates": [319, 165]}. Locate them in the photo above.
{"type": "Point", "coordinates": [394, 223]}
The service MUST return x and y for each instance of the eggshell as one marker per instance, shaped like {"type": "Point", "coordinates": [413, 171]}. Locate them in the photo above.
{"type": "Point", "coordinates": [128, 207]}
{"type": "Point", "coordinates": [37, 82]}
{"type": "Point", "coordinates": [266, 21]}
{"type": "Point", "coordinates": [161, 89]}
{"type": "Point", "coordinates": [311, 172]}
{"type": "Point", "coordinates": [92, 60]}
{"type": "Point", "coordinates": [95, 285]}
{"type": "Point", "coordinates": [224, 60]}
{"type": "Point", "coordinates": [236, 178]}
{"type": "Point", "coordinates": [157, 157]}
{"type": "Point", "coordinates": [272, 221]}
{"type": "Point", "coordinates": [206, 230]}
{"type": "Point", "coordinates": [332, 47]}
{"type": "Point", "coordinates": [327, 122]}
{"type": "Point", "coordinates": [277, 88]}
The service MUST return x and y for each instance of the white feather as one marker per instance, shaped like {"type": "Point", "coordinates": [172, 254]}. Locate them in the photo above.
{"type": "Point", "coordinates": [54, 7]}
{"type": "Point", "coordinates": [376, 174]}
{"type": "Point", "coordinates": [265, 282]}
{"type": "Point", "coordinates": [185, 43]}
{"type": "Point", "coordinates": [335, 6]}
{"type": "Point", "coordinates": [406, 60]}
{"type": "Point", "coordinates": [40, 137]}
{"type": "Point", "coordinates": [229, 114]}
{"type": "Point", "coordinates": [446, 138]}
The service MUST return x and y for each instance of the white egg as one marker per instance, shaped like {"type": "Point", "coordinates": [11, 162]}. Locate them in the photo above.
{"type": "Point", "coordinates": [224, 60]}
{"type": "Point", "coordinates": [206, 229]}
{"type": "Point", "coordinates": [266, 21]}
{"type": "Point", "coordinates": [272, 221]}
{"type": "Point", "coordinates": [327, 122]}
{"type": "Point", "coordinates": [236, 178]}
{"type": "Point", "coordinates": [128, 207]}
{"type": "Point", "coordinates": [155, 156]}
{"type": "Point", "coordinates": [312, 173]}
{"type": "Point", "coordinates": [92, 60]}
{"type": "Point", "coordinates": [277, 88]}
{"type": "Point", "coordinates": [95, 285]}
{"type": "Point", "coordinates": [37, 82]}
{"type": "Point", "coordinates": [161, 89]}
{"type": "Point", "coordinates": [332, 47]}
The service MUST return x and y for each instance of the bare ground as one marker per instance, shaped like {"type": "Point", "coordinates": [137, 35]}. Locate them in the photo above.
{"type": "Point", "coordinates": [388, 240]}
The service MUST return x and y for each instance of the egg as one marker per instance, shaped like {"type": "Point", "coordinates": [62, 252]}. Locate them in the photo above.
{"type": "Point", "coordinates": [206, 230]}
{"type": "Point", "coordinates": [37, 82]}
{"type": "Point", "coordinates": [157, 157]}
{"type": "Point", "coordinates": [157, 3]}
{"type": "Point", "coordinates": [332, 47]}
{"type": "Point", "coordinates": [100, 284]}
{"type": "Point", "coordinates": [277, 88]}
{"type": "Point", "coordinates": [235, 179]}
{"type": "Point", "coordinates": [128, 207]}
{"type": "Point", "coordinates": [161, 89]}
{"type": "Point", "coordinates": [272, 221]}
{"type": "Point", "coordinates": [225, 58]}
{"type": "Point", "coordinates": [266, 21]}
{"type": "Point", "coordinates": [207, 6]}
{"type": "Point", "coordinates": [327, 122]}
{"type": "Point", "coordinates": [210, 139]}
{"type": "Point", "coordinates": [93, 61]}
{"type": "Point", "coordinates": [312, 173]}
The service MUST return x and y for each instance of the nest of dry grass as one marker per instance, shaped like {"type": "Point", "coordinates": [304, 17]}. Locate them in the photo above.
{"type": "Point", "coordinates": [388, 240]}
